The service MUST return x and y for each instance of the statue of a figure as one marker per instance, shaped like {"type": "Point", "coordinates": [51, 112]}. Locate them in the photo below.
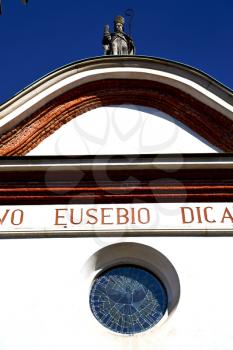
{"type": "Point", "coordinates": [117, 43]}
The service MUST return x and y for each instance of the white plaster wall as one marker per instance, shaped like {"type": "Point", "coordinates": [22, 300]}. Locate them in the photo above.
{"type": "Point", "coordinates": [43, 305]}
{"type": "Point", "coordinates": [123, 129]}
{"type": "Point", "coordinates": [43, 294]}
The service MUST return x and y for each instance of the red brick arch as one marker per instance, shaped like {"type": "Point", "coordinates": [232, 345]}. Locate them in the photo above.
{"type": "Point", "coordinates": [202, 119]}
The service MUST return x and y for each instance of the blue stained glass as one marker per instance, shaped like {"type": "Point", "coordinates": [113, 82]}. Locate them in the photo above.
{"type": "Point", "coordinates": [128, 299]}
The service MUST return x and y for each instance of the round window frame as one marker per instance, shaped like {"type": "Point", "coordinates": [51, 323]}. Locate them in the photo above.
{"type": "Point", "coordinates": [137, 254]}
{"type": "Point", "coordinates": [157, 280]}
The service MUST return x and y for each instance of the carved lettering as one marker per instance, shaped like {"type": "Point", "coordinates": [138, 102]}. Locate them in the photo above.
{"type": "Point", "coordinates": [2, 219]}
{"type": "Point", "coordinates": [78, 220]}
{"type": "Point", "coordinates": [104, 215]}
{"type": "Point", "coordinates": [122, 216]}
{"type": "Point", "coordinates": [147, 216]}
{"type": "Point", "coordinates": [206, 215]}
{"type": "Point", "coordinates": [17, 217]}
{"type": "Point", "coordinates": [199, 220]}
{"type": "Point", "coordinates": [58, 217]}
{"type": "Point", "coordinates": [92, 216]}
{"type": "Point", "coordinates": [227, 215]}
{"type": "Point", "coordinates": [187, 215]}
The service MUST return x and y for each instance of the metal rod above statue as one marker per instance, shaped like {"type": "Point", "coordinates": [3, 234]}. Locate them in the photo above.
{"type": "Point", "coordinates": [117, 43]}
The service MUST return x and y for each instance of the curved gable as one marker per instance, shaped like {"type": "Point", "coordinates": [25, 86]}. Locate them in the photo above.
{"type": "Point", "coordinates": [189, 96]}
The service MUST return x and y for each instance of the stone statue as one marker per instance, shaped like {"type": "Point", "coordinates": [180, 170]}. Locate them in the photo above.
{"type": "Point", "coordinates": [117, 43]}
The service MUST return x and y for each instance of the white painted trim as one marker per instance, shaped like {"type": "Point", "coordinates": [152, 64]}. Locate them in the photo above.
{"type": "Point", "coordinates": [147, 219]}
{"type": "Point", "coordinates": [102, 165]}
{"type": "Point", "coordinates": [36, 98]}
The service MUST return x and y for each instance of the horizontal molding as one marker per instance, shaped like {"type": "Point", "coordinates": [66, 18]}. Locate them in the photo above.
{"type": "Point", "coordinates": [114, 186]}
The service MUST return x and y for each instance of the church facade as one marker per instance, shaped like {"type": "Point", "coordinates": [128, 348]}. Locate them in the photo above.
{"type": "Point", "coordinates": [116, 209]}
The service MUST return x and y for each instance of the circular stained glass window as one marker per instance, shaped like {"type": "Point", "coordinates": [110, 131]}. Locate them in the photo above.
{"type": "Point", "coordinates": [128, 299]}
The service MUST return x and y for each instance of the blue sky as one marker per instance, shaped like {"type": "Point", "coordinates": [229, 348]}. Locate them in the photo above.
{"type": "Point", "coordinates": [47, 34]}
